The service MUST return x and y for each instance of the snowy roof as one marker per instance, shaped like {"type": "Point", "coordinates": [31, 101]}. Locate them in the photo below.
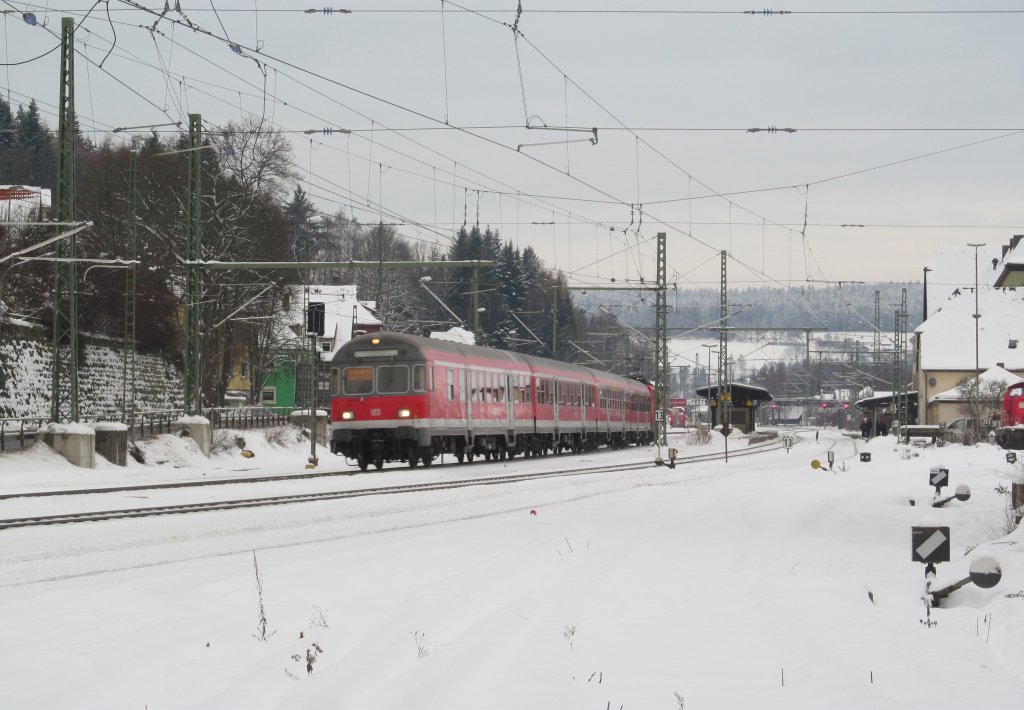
{"type": "Point", "coordinates": [456, 334]}
{"type": "Point", "coordinates": [992, 374]}
{"type": "Point", "coordinates": [1012, 273]}
{"type": "Point", "coordinates": [947, 337]}
{"type": "Point", "coordinates": [340, 308]}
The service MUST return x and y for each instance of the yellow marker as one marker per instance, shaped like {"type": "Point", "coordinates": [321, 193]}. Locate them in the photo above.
{"type": "Point", "coordinates": [815, 464]}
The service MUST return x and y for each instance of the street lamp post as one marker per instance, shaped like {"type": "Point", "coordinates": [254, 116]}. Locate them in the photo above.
{"type": "Point", "coordinates": [924, 314]}
{"type": "Point", "coordinates": [977, 315]}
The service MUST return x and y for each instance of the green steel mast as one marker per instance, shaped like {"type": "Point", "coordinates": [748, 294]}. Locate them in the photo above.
{"type": "Point", "coordinates": [64, 374]}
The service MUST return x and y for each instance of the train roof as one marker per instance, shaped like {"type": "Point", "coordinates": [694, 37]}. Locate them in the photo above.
{"type": "Point", "coordinates": [416, 347]}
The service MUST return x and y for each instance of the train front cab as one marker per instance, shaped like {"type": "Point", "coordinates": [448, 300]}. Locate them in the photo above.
{"type": "Point", "coordinates": [380, 409]}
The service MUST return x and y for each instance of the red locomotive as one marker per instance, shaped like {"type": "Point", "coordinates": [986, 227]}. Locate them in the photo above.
{"type": "Point", "coordinates": [1010, 435]}
{"type": "Point", "coordinates": [400, 397]}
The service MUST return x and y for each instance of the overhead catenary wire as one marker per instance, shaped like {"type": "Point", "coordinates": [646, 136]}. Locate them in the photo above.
{"type": "Point", "coordinates": [393, 104]}
{"type": "Point", "coordinates": [219, 98]}
{"type": "Point", "coordinates": [500, 194]}
{"type": "Point", "coordinates": [324, 11]}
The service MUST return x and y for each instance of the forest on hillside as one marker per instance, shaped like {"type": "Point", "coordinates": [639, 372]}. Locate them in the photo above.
{"type": "Point", "coordinates": [842, 307]}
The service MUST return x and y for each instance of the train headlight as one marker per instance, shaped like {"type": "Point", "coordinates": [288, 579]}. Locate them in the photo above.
{"type": "Point", "coordinates": [404, 414]}
{"type": "Point", "coordinates": [348, 416]}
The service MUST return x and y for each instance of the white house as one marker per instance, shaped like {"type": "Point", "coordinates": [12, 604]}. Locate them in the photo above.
{"type": "Point", "coordinates": [947, 346]}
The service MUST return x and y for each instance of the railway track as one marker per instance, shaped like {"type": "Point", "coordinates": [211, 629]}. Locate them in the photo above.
{"type": "Point", "coordinates": [258, 502]}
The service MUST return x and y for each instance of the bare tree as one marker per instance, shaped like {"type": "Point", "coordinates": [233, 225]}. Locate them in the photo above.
{"type": "Point", "coordinates": [981, 402]}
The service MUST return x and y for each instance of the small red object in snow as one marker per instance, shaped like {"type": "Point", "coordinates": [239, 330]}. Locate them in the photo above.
{"type": "Point", "coordinates": [533, 512]}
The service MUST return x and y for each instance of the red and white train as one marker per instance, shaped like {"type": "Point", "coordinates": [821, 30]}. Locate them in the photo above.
{"type": "Point", "coordinates": [1010, 434]}
{"type": "Point", "coordinates": [398, 397]}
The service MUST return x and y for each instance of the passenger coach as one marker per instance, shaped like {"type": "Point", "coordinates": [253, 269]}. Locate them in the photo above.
{"type": "Point", "coordinates": [398, 397]}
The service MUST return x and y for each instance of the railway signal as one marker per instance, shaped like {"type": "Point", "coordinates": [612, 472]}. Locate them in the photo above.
{"type": "Point", "coordinates": [984, 572]}
{"type": "Point", "coordinates": [963, 493]}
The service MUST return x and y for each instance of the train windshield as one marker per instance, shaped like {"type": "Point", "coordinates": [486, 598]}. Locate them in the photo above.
{"type": "Point", "coordinates": [392, 379]}
{"type": "Point", "coordinates": [358, 380]}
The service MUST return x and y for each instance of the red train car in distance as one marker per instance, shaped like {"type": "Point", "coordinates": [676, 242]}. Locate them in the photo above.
{"type": "Point", "coordinates": [1010, 435]}
{"type": "Point", "coordinates": [398, 397]}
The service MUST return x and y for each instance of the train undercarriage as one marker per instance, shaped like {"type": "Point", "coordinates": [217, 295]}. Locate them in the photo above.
{"type": "Point", "coordinates": [1010, 437]}
{"type": "Point", "coordinates": [380, 446]}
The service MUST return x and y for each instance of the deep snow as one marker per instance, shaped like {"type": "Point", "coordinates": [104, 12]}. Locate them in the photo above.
{"type": "Point", "coordinates": [717, 582]}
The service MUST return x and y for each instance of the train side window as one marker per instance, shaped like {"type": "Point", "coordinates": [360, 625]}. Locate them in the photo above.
{"type": "Point", "coordinates": [1017, 391]}
{"type": "Point", "coordinates": [450, 383]}
{"type": "Point", "coordinates": [419, 378]}
{"type": "Point", "coordinates": [357, 380]}
{"type": "Point", "coordinates": [335, 376]}
{"type": "Point", "coordinates": [392, 379]}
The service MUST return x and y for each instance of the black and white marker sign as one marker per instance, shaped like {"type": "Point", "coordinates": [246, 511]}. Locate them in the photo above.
{"type": "Point", "coordinates": [938, 477]}
{"type": "Point", "coordinates": [930, 544]}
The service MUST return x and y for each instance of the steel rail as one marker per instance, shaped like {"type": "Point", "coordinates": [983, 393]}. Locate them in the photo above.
{"type": "Point", "coordinates": [152, 511]}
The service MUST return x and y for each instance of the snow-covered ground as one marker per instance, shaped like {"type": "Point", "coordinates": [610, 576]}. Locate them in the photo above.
{"type": "Point", "coordinates": [758, 583]}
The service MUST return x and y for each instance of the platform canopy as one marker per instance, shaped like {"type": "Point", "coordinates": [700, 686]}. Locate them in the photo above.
{"type": "Point", "coordinates": [884, 399]}
{"type": "Point", "coordinates": [743, 395]}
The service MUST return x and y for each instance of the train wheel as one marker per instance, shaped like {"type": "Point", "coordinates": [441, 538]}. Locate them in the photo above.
{"type": "Point", "coordinates": [413, 461]}
{"type": "Point", "coordinates": [378, 460]}
{"type": "Point", "coordinates": [427, 460]}
{"type": "Point", "coordinates": [363, 460]}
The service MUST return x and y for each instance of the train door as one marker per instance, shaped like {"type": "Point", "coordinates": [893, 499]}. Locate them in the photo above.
{"type": "Point", "coordinates": [558, 389]}
{"type": "Point", "coordinates": [584, 403]}
{"type": "Point", "coordinates": [464, 385]}
{"type": "Point", "coordinates": [510, 382]}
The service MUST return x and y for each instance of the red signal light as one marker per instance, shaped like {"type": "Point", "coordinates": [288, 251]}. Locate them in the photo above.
{"type": "Point", "coordinates": [846, 405]}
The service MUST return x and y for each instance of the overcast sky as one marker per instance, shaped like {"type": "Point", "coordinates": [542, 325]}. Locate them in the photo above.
{"type": "Point", "coordinates": [715, 74]}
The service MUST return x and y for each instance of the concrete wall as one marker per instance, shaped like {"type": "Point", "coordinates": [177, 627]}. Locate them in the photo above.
{"type": "Point", "coordinates": [26, 362]}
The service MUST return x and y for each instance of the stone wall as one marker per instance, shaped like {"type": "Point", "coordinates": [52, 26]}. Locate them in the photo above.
{"type": "Point", "coordinates": [25, 383]}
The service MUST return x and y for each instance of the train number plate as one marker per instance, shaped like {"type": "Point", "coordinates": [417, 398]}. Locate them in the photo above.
{"type": "Point", "coordinates": [374, 412]}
